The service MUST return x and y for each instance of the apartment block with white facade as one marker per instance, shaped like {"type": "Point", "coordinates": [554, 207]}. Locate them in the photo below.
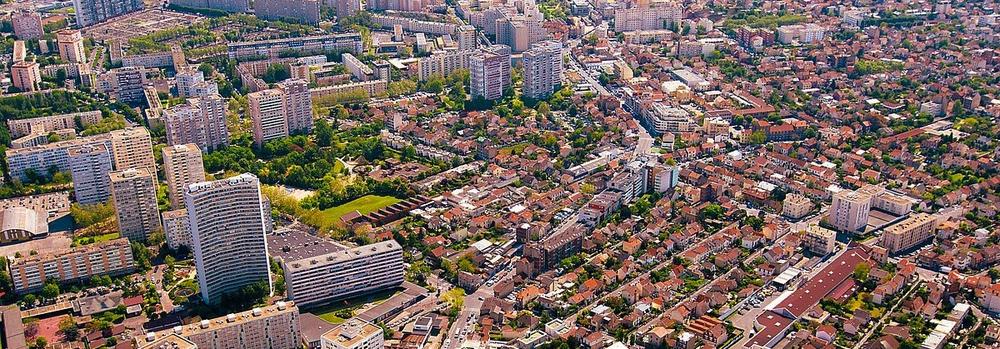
{"type": "Point", "coordinates": [318, 271]}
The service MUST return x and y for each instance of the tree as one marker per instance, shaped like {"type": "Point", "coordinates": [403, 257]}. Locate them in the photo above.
{"type": "Point", "coordinates": [758, 137]}
{"type": "Point", "coordinates": [206, 69]}
{"type": "Point", "coordinates": [277, 72]}
{"type": "Point", "coordinates": [69, 329]}
{"type": "Point", "coordinates": [543, 108]}
{"type": "Point", "coordinates": [50, 290]}
{"type": "Point", "coordinates": [324, 133]}
{"type": "Point", "coordinates": [861, 272]}
{"type": "Point", "coordinates": [711, 211]}
{"type": "Point", "coordinates": [40, 343]}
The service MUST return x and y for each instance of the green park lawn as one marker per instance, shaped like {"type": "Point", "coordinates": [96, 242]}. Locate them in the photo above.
{"type": "Point", "coordinates": [338, 312]}
{"type": "Point", "coordinates": [365, 204]}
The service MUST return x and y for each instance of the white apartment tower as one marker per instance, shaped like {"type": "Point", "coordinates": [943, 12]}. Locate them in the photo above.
{"type": "Point", "coordinates": [489, 73]}
{"type": "Point", "coordinates": [466, 36]}
{"type": "Point", "coordinates": [298, 105]}
{"type": "Point", "coordinates": [70, 44]}
{"type": "Point", "coordinates": [133, 148]}
{"type": "Point", "coordinates": [542, 69]}
{"type": "Point", "coordinates": [849, 211]}
{"type": "Point", "coordinates": [227, 234]}
{"type": "Point", "coordinates": [90, 165]}
{"type": "Point", "coordinates": [267, 111]}
{"type": "Point", "coordinates": [183, 166]}
{"type": "Point", "coordinates": [177, 228]}
{"type": "Point", "coordinates": [133, 192]}
{"type": "Point", "coordinates": [201, 121]}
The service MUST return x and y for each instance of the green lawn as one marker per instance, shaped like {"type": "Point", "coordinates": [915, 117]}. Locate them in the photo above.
{"type": "Point", "coordinates": [365, 204]}
{"type": "Point", "coordinates": [339, 311]}
{"type": "Point", "coordinates": [87, 240]}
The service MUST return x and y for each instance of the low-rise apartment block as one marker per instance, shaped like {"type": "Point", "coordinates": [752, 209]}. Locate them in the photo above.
{"type": "Point", "coordinates": [318, 271]}
{"type": "Point", "coordinates": [909, 233]}
{"type": "Point", "coordinates": [271, 327]}
{"type": "Point", "coordinates": [75, 264]}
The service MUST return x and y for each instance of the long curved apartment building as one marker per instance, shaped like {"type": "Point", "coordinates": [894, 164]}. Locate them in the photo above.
{"type": "Point", "coordinates": [227, 231]}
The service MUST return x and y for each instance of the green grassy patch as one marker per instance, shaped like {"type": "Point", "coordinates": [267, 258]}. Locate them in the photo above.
{"type": "Point", "coordinates": [87, 240]}
{"type": "Point", "coordinates": [339, 311]}
{"type": "Point", "coordinates": [365, 204]}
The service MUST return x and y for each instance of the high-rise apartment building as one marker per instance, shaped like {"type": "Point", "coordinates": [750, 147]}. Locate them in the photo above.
{"type": "Point", "coordinates": [442, 64]}
{"type": "Point", "coordinates": [297, 104]}
{"type": "Point", "coordinates": [201, 121]}
{"type": "Point", "coordinates": [272, 327]}
{"type": "Point", "coordinates": [489, 73]}
{"type": "Point", "coordinates": [227, 233]}
{"type": "Point", "coordinates": [849, 211]}
{"type": "Point", "coordinates": [191, 83]}
{"type": "Point", "coordinates": [89, 167]}
{"type": "Point", "coordinates": [25, 76]}
{"type": "Point", "coordinates": [177, 228]}
{"type": "Point", "coordinates": [299, 11]}
{"type": "Point", "coordinates": [70, 44]}
{"type": "Point", "coordinates": [27, 24]}
{"type": "Point", "coordinates": [267, 110]}
{"type": "Point", "coordinates": [124, 84]}
{"type": "Point", "coordinates": [133, 148]}
{"type": "Point", "coordinates": [133, 192]}
{"type": "Point", "coordinates": [29, 273]}
{"type": "Point", "coordinates": [317, 271]}
{"type": "Point", "coordinates": [542, 69]}
{"type": "Point", "coordinates": [346, 8]}
{"type": "Point", "coordinates": [909, 233]}
{"type": "Point", "coordinates": [466, 37]}
{"type": "Point", "coordinates": [353, 334]}
{"type": "Point", "coordinates": [356, 67]}
{"type": "Point", "coordinates": [223, 5]}
{"type": "Point", "coordinates": [183, 166]}
{"type": "Point", "coordinates": [90, 12]}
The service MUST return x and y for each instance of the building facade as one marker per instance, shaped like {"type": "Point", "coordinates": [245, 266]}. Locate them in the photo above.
{"type": "Point", "coordinates": [343, 274]}
{"type": "Point", "coordinates": [27, 24]}
{"type": "Point", "coordinates": [819, 240]}
{"type": "Point", "coordinates": [183, 166]}
{"type": "Point", "coordinates": [25, 76]}
{"type": "Point", "coordinates": [299, 11]}
{"type": "Point", "coordinates": [227, 233]}
{"type": "Point", "coordinates": [297, 104]}
{"type": "Point", "coordinates": [201, 121]}
{"type": "Point", "coordinates": [796, 206]}
{"type": "Point", "coordinates": [267, 110]}
{"type": "Point", "coordinates": [90, 166]}
{"type": "Point", "coordinates": [133, 148]}
{"type": "Point", "coordinates": [75, 264]}
{"type": "Point", "coordinates": [909, 233]}
{"type": "Point", "coordinates": [849, 211]}
{"type": "Point", "coordinates": [133, 192]}
{"type": "Point", "coordinates": [70, 43]}
{"type": "Point", "coordinates": [90, 12]}
{"type": "Point", "coordinates": [542, 69]}
{"type": "Point", "coordinates": [39, 160]}
{"type": "Point", "coordinates": [177, 228]}
{"type": "Point", "coordinates": [272, 327]}
{"type": "Point", "coordinates": [489, 73]}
